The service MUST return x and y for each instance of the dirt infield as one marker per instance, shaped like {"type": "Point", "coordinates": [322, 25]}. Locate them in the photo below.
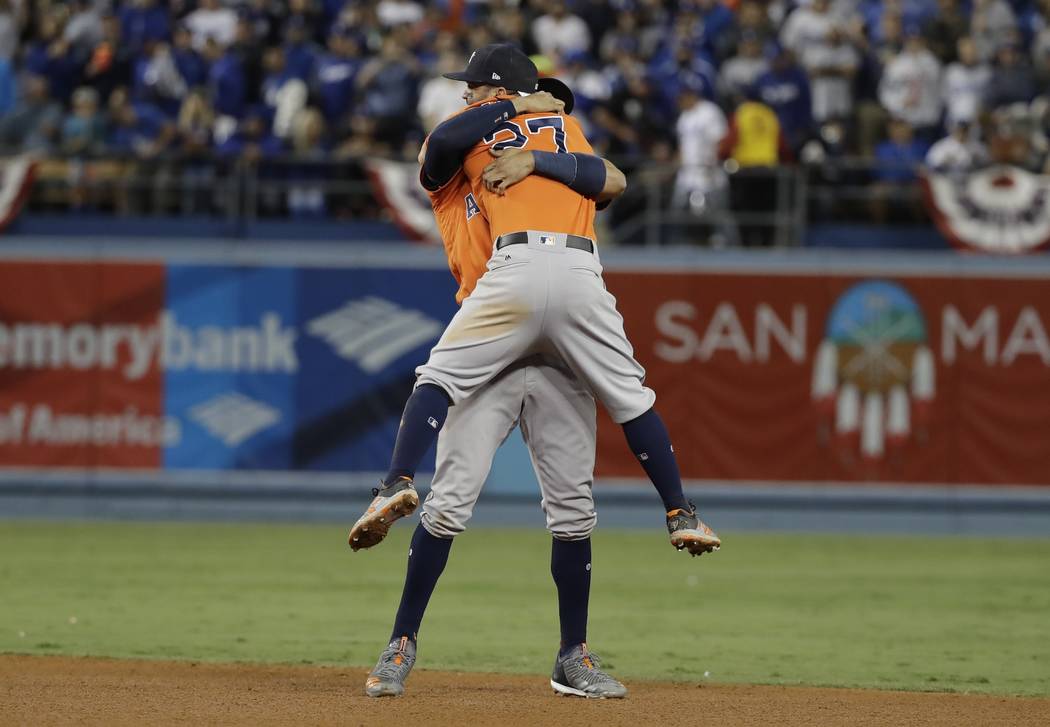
{"type": "Point", "coordinates": [59, 690]}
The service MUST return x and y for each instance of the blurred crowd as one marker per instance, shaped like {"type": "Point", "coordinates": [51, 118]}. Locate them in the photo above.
{"type": "Point", "coordinates": [716, 85]}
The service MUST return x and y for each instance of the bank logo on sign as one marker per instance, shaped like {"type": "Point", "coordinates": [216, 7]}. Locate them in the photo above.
{"type": "Point", "coordinates": [234, 417]}
{"type": "Point", "coordinates": [373, 332]}
{"type": "Point", "coordinates": [874, 373]}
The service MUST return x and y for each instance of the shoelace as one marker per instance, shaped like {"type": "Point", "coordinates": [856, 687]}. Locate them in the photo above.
{"type": "Point", "coordinates": [680, 521]}
{"type": "Point", "coordinates": [595, 668]}
{"type": "Point", "coordinates": [384, 486]}
{"type": "Point", "coordinates": [389, 667]}
{"type": "Point", "coordinates": [685, 517]}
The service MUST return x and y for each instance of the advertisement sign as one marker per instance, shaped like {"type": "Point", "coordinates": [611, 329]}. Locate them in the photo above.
{"type": "Point", "coordinates": [107, 364]}
{"type": "Point", "coordinates": [811, 378]}
{"type": "Point", "coordinates": [762, 374]}
{"type": "Point", "coordinates": [79, 382]}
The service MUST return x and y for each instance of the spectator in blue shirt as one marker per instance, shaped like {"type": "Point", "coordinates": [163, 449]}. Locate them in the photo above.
{"type": "Point", "coordinates": [265, 18]}
{"type": "Point", "coordinates": [249, 51]}
{"type": "Point", "coordinates": [330, 10]}
{"type": "Point", "coordinates": [8, 87]}
{"type": "Point", "coordinates": [275, 66]}
{"type": "Point", "coordinates": [84, 130]}
{"type": "Point", "coordinates": [190, 64]}
{"type": "Point", "coordinates": [142, 21]}
{"type": "Point", "coordinates": [715, 23]}
{"type": "Point", "coordinates": [910, 12]}
{"type": "Point", "coordinates": [252, 142]}
{"type": "Point", "coordinates": [389, 89]}
{"type": "Point", "coordinates": [1012, 80]}
{"type": "Point", "coordinates": [83, 135]}
{"type": "Point", "coordinates": [634, 118]}
{"type": "Point", "coordinates": [896, 160]}
{"type": "Point", "coordinates": [50, 56]}
{"type": "Point", "coordinates": [156, 79]}
{"type": "Point", "coordinates": [335, 74]}
{"type": "Point", "coordinates": [34, 122]}
{"type": "Point", "coordinates": [684, 70]}
{"type": "Point", "coordinates": [137, 128]}
{"type": "Point", "coordinates": [111, 62]}
{"type": "Point", "coordinates": [785, 89]}
{"type": "Point", "coordinates": [299, 50]}
{"type": "Point", "coordinates": [898, 156]}
{"type": "Point", "coordinates": [307, 174]}
{"type": "Point", "coordinates": [283, 95]}
{"type": "Point", "coordinates": [225, 80]}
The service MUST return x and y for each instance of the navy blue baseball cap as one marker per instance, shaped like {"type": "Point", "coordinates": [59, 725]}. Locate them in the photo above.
{"type": "Point", "coordinates": [499, 64]}
{"type": "Point", "coordinates": [558, 90]}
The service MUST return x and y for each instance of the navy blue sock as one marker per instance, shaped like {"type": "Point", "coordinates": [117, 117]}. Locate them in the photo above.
{"type": "Point", "coordinates": [425, 413]}
{"type": "Point", "coordinates": [426, 560]}
{"type": "Point", "coordinates": [647, 437]}
{"type": "Point", "coordinates": [571, 569]}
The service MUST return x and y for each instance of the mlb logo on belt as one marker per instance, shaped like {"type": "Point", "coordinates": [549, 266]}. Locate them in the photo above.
{"type": "Point", "coordinates": [547, 240]}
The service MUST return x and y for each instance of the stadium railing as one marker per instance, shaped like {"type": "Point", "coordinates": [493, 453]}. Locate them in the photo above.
{"type": "Point", "coordinates": [727, 207]}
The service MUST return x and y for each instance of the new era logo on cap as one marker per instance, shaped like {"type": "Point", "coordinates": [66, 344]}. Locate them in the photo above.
{"type": "Point", "coordinates": [496, 77]}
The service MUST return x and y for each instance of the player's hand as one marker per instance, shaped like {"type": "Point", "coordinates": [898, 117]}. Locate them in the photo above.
{"type": "Point", "coordinates": [538, 103]}
{"type": "Point", "coordinates": [511, 166]}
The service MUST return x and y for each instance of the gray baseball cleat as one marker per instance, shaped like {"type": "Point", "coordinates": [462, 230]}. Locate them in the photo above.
{"type": "Point", "coordinates": [392, 502]}
{"type": "Point", "coordinates": [391, 671]}
{"type": "Point", "coordinates": [577, 673]}
{"type": "Point", "coordinates": [690, 533]}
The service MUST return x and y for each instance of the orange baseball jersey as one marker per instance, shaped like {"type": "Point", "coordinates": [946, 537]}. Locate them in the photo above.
{"type": "Point", "coordinates": [534, 203]}
{"type": "Point", "coordinates": [464, 232]}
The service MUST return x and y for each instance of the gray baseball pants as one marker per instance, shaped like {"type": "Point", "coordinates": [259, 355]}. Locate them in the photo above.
{"type": "Point", "coordinates": [541, 298]}
{"type": "Point", "coordinates": [556, 414]}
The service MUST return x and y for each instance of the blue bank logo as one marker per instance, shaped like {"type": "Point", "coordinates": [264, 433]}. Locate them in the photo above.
{"type": "Point", "coordinates": [373, 332]}
{"type": "Point", "coordinates": [233, 417]}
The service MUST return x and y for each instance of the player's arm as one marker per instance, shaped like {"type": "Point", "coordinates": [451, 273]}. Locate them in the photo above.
{"type": "Point", "coordinates": [450, 140]}
{"type": "Point", "coordinates": [589, 175]}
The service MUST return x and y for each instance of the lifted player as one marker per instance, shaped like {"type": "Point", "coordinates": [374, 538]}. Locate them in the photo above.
{"type": "Point", "coordinates": [542, 293]}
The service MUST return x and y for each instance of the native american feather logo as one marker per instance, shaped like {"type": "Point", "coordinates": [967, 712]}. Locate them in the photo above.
{"type": "Point", "coordinates": [874, 376]}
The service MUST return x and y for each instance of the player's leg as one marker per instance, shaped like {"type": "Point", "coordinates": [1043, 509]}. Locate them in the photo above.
{"type": "Point", "coordinates": [474, 431]}
{"type": "Point", "coordinates": [588, 333]}
{"type": "Point", "coordinates": [495, 327]}
{"type": "Point", "coordinates": [558, 423]}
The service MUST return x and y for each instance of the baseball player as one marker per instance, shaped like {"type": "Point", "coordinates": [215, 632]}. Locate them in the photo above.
{"type": "Point", "coordinates": [475, 429]}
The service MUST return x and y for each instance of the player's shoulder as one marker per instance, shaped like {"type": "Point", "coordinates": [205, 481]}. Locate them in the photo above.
{"type": "Point", "coordinates": [447, 191]}
{"type": "Point", "coordinates": [572, 123]}
{"type": "Point", "coordinates": [466, 108]}
{"type": "Point", "coordinates": [568, 123]}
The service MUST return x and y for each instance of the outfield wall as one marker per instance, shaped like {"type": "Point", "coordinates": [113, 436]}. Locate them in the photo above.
{"type": "Point", "coordinates": [240, 363]}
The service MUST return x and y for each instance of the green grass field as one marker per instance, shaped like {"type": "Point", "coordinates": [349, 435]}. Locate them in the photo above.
{"type": "Point", "coordinates": [909, 613]}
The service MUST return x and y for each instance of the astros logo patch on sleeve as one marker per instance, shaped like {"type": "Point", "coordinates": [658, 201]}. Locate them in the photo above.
{"type": "Point", "coordinates": [472, 205]}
